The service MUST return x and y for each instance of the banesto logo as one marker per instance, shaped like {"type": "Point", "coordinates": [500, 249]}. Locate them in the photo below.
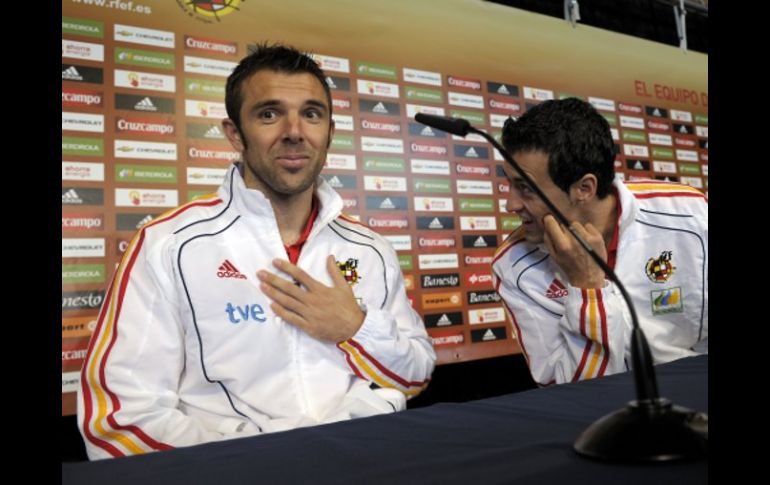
{"type": "Point", "coordinates": [444, 280]}
{"type": "Point", "coordinates": [481, 297]}
{"type": "Point", "coordinates": [82, 300]}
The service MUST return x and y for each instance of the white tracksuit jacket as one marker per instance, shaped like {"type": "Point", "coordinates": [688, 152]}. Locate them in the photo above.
{"type": "Point", "coordinates": [569, 334]}
{"type": "Point", "coordinates": [187, 350]}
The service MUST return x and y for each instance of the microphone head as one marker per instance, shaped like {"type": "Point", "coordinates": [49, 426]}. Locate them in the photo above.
{"type": "Point", "coordinates": [455, 126]}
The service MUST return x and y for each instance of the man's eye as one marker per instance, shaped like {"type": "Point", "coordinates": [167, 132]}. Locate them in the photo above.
{"type": "Point", "coordinates": [268, 115]}
{"type": "Point", "coordinates": [523, 188]}
{"type": "Point", "coordinates": [313, 114]}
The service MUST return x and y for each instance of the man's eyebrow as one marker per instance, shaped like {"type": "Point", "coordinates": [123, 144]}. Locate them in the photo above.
{"type": "Point", "coordinates": [271, 103]}
{"type": "Point", "coordinates": [317, 104]}
{"type": "Point", "coordinates": [265, 103]}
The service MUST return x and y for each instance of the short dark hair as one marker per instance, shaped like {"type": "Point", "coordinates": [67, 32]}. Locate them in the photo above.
{"type": "Point", "coordinates": [276, 57]}
{"type": "Point", "coordinates": [576, 138]}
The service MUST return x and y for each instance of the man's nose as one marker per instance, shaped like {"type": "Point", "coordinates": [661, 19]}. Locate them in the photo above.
{"type": "Point", "coordinates": [513, 203]}
{"type": "Point", "coordinates": [293, 128]}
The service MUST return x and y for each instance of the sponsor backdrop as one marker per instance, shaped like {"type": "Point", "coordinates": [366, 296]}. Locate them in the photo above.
{"type": "Point", "coordinates": [143, 96]}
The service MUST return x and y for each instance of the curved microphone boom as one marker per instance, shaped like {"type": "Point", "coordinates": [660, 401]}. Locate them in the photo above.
{"type": "Point", "coordinates": [649, 428]}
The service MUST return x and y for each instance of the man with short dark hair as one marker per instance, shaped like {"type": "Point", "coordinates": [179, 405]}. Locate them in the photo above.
{"type": "Point", "coordinates": [260, 308]}
{"type": "Point", "coordinates": [571, 322]}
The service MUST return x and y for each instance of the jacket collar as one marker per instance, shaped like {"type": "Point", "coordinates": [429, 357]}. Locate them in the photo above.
{"type": "Point", "coordinates": [253, 202]}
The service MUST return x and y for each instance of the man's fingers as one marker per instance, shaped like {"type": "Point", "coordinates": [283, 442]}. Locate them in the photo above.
{"type": "Point", "coordinates": [285, 300]}
{"type": "Point", "coordinates": [295, 272]}
{"type": "Point", "coordinates": [555, 232]}
{"type": "Point", "coordinates": [289, 316]}
{"type": "Point", "coordinates": [279, 284]}
{"type": "Point", "coordinates": [548, 243]}
{"type": "Point", "coordinates": [580, 230]}
{"type": "Point", "coordinates": [334, 272]}
{"type": "Point", "coordinates": [590, 234]}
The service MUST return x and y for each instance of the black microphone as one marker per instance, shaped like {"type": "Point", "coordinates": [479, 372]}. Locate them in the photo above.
{"type": "Point", "coordinates": [650, 428]}
{"type": "Point", "coordinates": [455, 126]}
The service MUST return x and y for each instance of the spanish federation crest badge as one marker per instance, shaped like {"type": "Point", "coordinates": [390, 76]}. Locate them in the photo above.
{"type": "Point", "coordinates": [349, 270]}
{"type": "Point", "coordinates": [660, 269]}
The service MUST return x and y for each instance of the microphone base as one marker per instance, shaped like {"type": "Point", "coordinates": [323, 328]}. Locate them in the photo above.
{"type": "Point", "coordinates": [646, 431]}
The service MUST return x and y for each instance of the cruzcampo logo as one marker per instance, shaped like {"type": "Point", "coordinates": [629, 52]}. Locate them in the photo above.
{"type": "Point", "coordinates": [689, 168]}
{"type": "Point", "coordinates": [384, 164]}
{"type": "Point", "coordinates": [510, 223]}
{"type": "Point", "coordinates": [662, 152]}
{"type": "Point", "coordinates": [431, 185]}
{"type": "Point", "coordinates": [472, 116]}
{"type": "Point", "coordinates": [145, 173]}
{"type": "Point", "coordinates": [138, 57]}
{"type": "Point", "coordinates": [422, 94]}
{"type": "Point", "coordinates": [376, 70]}
{"type": "Point", "coordinates": [89, 28]}
{"type": "Point", "coordinates": [610, 117]}
{"type": "Point", "coordinates": [405, 262]}
{"type": "Point", "coordinates": [634, 136]}
{"type": "Point", "coordinates": [209, 11]}
{"type": "Point", "coordinates": [71, 145]}
{"type": "Point", "coordinates": [702, 119]}
{"type": "Point", "coordinates": [205, 87]}
{"type": "Point", "coordinates": [82, 273]}
{"type": "Point", "coordinates": [477, 205]}
{"type": "Point", "coordinates": [344, 142]}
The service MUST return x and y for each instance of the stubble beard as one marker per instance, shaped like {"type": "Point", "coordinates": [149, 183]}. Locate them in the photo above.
{"type": "Point", "coordinates": [274, 184]}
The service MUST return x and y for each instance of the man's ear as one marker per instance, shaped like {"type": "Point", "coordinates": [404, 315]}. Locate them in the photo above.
{"type": "Point", "coordinates": [233, 134]}
{"type": "Point", "coordinates": [584, 190]}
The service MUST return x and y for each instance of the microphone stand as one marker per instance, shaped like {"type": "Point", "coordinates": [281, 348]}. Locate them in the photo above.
{"type": "Point", "coordinates": [649, 428]}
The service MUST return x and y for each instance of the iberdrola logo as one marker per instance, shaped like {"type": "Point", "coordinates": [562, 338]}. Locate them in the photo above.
{"type": "Point", "coordinates": [209, 10]}
{"type": "Point", "coordinates": [349, 270]}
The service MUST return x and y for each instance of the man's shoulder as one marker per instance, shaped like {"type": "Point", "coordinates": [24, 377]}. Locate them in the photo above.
{"type": "Point", "coordinates": [655, 193]}
{"type": "Point", "coordinates": [356, 232]}
{"type": "Point", "coordinates": [669, 204]}
{"type": "Point", "coordinates": [513, 248]}
{"type": "Point", "coordinates": [184, 218]}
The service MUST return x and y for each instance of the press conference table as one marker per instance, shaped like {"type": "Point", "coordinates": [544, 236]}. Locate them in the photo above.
{"type": "Point", "coordinates": [522, 438]}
